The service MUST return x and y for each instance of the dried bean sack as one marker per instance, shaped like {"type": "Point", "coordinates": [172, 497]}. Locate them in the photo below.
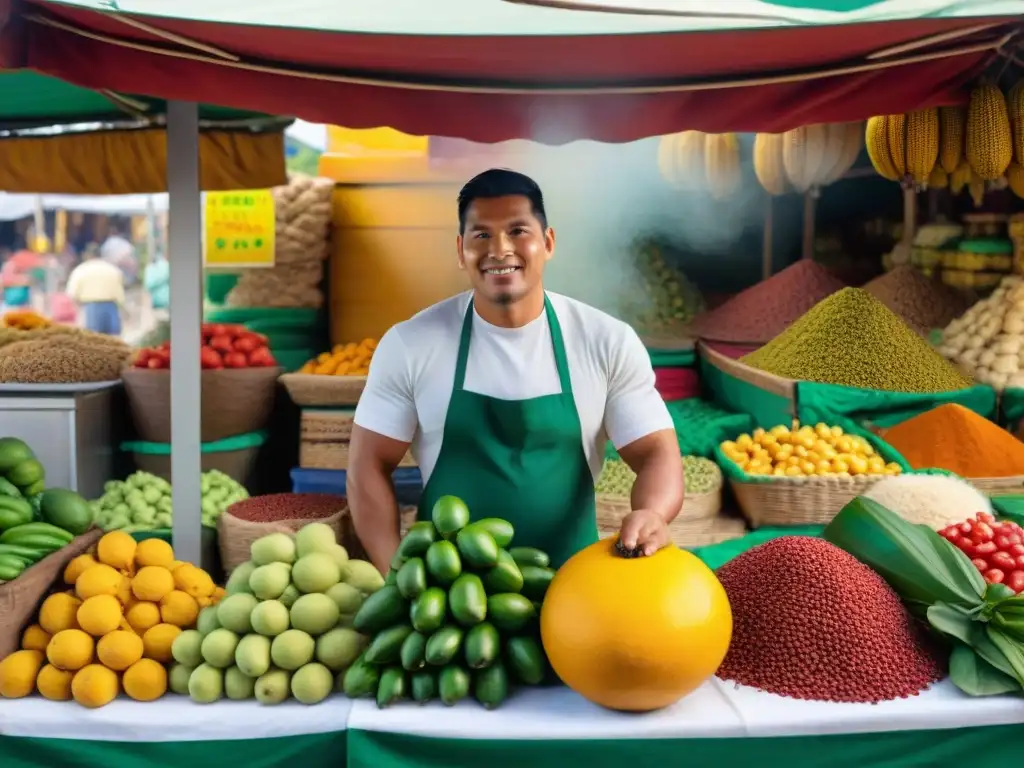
{"type": "Point", "coordinates": [63, 358]}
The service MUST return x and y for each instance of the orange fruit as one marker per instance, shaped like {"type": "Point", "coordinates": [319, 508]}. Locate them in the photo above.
{"type": "Point", "coordinates": [635, 634]}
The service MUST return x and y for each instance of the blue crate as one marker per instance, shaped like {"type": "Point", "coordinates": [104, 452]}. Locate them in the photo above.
{"type": "Point", "coordinates": [408, 482]}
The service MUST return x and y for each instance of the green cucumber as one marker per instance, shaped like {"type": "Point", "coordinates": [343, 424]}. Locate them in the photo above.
{"type": "Point", "coordinates": [482, 645]}
{"type": "Point", "coordinates": [424, 686]}
{"type": "Point", "coordinates": [525, 659]}
{"type": "Point", "coordinates": [418, 539]}
{"type": "Point", "coordinates": [505, 576]}
{"type": "Point", "coordinates": [536, 581]}
{"type": "Point", "coordinates": [30, 529]}
{"type": "Point", "coordinates": [477, 547]}
{"type": "Point", "coordinates": [43, 542]}
{"type": "Point", "coordinates": [391, 687]}
{"type": "Point", "coordinates": [530, 556]}
{"type": "Point", "coordinates": [9, 489]}
{"type": "Point", "coordinates": [384, 608]}
{"type": "Point", "coordinates": [453, 685]}
{"type": "Point", "coordinates": [490, 685]}
{"type": "Point", "coordinates": [10, 572]}
{"type": "Point", "coordinates": [361, 679]}
{"type": "Point", "coordinates": [414, 652]}
{"type": "Point", "coordinates": [467, 599]}
{"type": "Point", "coordinates": [29, 553]}
{"type": "Point", "coordinates": [427, 612]}
{"type": "Point", "coordinates": [443, 562]}
{"type": "Point", "coordinates": [386, 646]}
{"type": "Point", "coordinates": [411, 578]}
{"type": "Point", "coordinates": [391, 579]}
{"type": "Point", "coordinates": [443, 646]}
{"type": "Point", "coordinates": [510, 612]}
{"type": "Point", "coordinates": [501, 530]}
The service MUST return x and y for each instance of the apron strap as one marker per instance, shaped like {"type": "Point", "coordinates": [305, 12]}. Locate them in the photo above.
{"type": "Point", "coordinates": [557, 344]}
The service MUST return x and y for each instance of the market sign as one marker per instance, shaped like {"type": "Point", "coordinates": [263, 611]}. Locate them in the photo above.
{"type": "Point", "coordinates": [239, 229]}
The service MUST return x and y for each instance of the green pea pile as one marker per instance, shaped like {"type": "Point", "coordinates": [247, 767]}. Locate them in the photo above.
{"type": "Point", "coordinates": [665, 299]}
{"type": "Point", "coordinates": [702, 476]}
{"type": "Point", "coordinates": [852, 339]}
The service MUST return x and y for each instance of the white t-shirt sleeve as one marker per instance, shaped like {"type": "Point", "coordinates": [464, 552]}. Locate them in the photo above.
{"type": "Point", "coordinates": [387, 405]}
{"type": "Point", "coordinates": [634, 408]}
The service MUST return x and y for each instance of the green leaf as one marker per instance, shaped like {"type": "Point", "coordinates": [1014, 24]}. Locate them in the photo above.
{"type": "Point", "coordinates": [1011, 650]}
{"type": "Point", "coordinates": [997, 593]}
{"type": "Point", "coordinates": [909, 557]}
{"type": "Point", "coordinates": [975, 676]}
{"type": "Point", "coordinates": [986, 649]}
{"type": "Point", "coordinates": [950, 621]}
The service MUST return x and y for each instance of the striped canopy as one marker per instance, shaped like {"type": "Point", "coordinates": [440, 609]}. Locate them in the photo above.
{"type": "Point", "coordinates": [550, 70]}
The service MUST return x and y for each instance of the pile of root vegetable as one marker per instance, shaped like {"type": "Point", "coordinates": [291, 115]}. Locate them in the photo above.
{"type": "Point", "coordinates": [59, 354]}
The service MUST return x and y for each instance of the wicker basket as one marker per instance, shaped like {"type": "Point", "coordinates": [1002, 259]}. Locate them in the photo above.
{"type": "Point", "coordinates": [20, 599]}
{"type": "Point", "coordinates": [236, 535]}
{"type": "Point", "coordinates": [326, 426]}
{"type": "Point", "coordinates": [333, 455]}
{"type": "Point", "coordinates": [689, 534]}
{"type": "Point", "coordinates": [234, 402]}
{"type": "Point", "coordinates": [798, 500]}
{"type": "Point", "coordinates": [307, 389]}
{"type": "Point", "coordinates": [999, 486]}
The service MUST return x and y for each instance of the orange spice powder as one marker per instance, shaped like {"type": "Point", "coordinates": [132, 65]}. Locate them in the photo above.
{"type": "Point", "coordinates": [957, 439]}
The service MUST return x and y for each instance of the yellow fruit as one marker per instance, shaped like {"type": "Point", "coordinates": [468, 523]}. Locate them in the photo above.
{"type": "Point", "coordinates": [922, 143]}
{"type": "Point", "coordinates": [876, 138]}
{"type": "Point", "coordinates": [58, 612]}
{"type": "Point", "coordinates": [143, 616]}
{"type": "Point", "coordinates": [1015, 179]}
{"type": "Point", "coordinates": [989, 142]}
{"type": "Point", "coordinates": [76, 567]}
{"type": "Point", "coordinates": [157, 642]}
{"type": "Point", "coordinates": [35, 638]}
{"type": "Point", "coordinates": [803, 155]}
{"type": "Point", "coordinates": [154, 552]}
{"type": "Point", "coordinates": [938, 179]}
{"type": "Point", "coordinates": [768, 162]}
{"type": "Point", "coordinates": [841, 150]}
{"type": "Point", "coordinates": [124, 590]}
{"type": "Point", "coordinates": [152, 583]}
{"type": "Point", "coordinates": [145, 680]}
{"type": "Point", "coordinates": [99, 615]}
{"type": "Point", "coordinates": [896, 134]}
{"type": "Point", "coordinates": [98, 580]}
{"type": "Point", "coordinates": [179, 609]}
{"type": "Point", "coordinates": [951, 137]}
{"type": "Point", "coordinates": [18, 673]}
{"type": "Point", "coordinates": [54, 684]}
{"type": "Point", "coordinates": [960, 178]}
{"type": "Point", "coordinates": [722, 164]}
{"type": "Point", "coordinates": [70, 649]}
{"type": "Point", "coordinates": [218, 594]}
{"type": "Point", "coordinates": [116, 549]}
{"type": "Point", "coordinates": [681, 159]}
{"type": "Point", "coordinates": [95, 686]}
{"type": "Point", "coordinates": [193, 581]}
{"type": "Point", "coordinates": [119, 650]}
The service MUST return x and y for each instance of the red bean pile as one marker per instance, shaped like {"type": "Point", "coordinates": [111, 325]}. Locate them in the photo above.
{"type": "Point", "coordinates": [287, 506]}
{"type": "Point", "coordinates": [812, 622]}
{"type": "Point", "coordinates": [763, 311]}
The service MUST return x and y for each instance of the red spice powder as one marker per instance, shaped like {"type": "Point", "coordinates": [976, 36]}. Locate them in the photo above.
{"type": "Point", "coordinates": [763, 311]}
{"type": "Point", "coordinates": [287, 506]}
{"type": "Point", "coordinates": [810, 621]}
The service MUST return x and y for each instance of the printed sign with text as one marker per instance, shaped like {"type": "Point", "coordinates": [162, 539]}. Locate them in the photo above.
{"type": "Point", "coordinates": [239, 229]}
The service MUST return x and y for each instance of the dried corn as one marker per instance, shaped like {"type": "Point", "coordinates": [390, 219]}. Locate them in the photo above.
{"type": "Point", "coordinates": [876, 137]}
{"type": "Point", "coordinates": [896, 134]}
{"type": "Point", "coordinates": [768, 162]}
{"type": "Point", "coordinates": [1015, 107]}
{"type": "Point", "coordinates": [960, 177]}
{"type": "Point", "coordinates": [1015, 179]}
{"type": "Point", "coordinates": [951, 137]}
{"type": "Point", "coordinates": [976, 189]}
{"type": "Point", "coordinates": [938, 179]}
{"type": "Point", "coordinates": [722, 164]}
{"type": "Point", "coordinates": [803, 155]}
{"type": "Point", "coordinates": [922, 143]}
{"type": "Point", "coordinates": [989, 142]}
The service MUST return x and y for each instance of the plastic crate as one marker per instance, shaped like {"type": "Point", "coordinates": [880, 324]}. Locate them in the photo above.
{"type": "Point", "coordinates": [407, 480]}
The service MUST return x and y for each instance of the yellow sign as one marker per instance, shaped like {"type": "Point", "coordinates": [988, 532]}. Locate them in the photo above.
{"type": "Point", "coordinates": [239, 229]}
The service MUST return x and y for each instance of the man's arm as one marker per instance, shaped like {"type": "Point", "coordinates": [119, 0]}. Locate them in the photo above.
{"type": "Point", "coordinates": [640, 427]}
{"type": "Point", "coordinates": [385, 423]}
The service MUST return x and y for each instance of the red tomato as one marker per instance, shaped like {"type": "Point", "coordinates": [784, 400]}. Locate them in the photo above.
{"type": "Point", "coordinates": [982, 532]}
{"type": "Point", "coordinates": [986, 548]}
{"type": "Point", "coordinates": [994, 576]}
{"type": "Point", "coordinates": [968, 549]}
{"type": "Point", "coordinates": [1014, 538]}
{"type": "Point", "coordinates": [235, 360]}
{"type": "Point", "coordinates": [966, 527]}
{"type": "Point", "coordinates": [1016, 549]}
{"type": "Point", "coordinates": [1019, 560]}
{"type": "Point", "coordinates": [985, 517]}
{"type": "Point", "coordinates": [1002, 542]}
{"type": "Point", "coordinates": [156, 363]}
{"type": "Point", "coordinates": [980, 564]}
{"type": "Point", "coordinates": [1002, 560]}
{"type": "Point", "coordinates": [142, 357]}
{"type": "Point", "coordinates": [213, 329]}
{"type": "Point", "coordinates": [262, 358]}
{"type": "Point", "coordinates": [209, 359]}
{"type": "Point", "coordinates": [221, 343]}
{"type": "Point", "coordinates": [247, 344]}
{"type": "Point", "coordinates": [1015, 580]}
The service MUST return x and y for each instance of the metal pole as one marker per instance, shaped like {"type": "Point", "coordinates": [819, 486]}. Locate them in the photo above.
{"type": "Point", "coordinates": [186, 274]}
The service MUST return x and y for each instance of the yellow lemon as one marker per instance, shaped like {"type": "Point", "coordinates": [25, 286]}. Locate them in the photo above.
{"type": "Point", "coordinates": [152, 583]}
{"type": "Point", "coordinates": [98, 580]}
{"type": "Point", "coordinates": [157, 642]}
{"type": "Point", "coordinates": [193, 581]}
{"type": "Point", "coordinates": [18, 673]}
{"type": "Point", "coordinates": [154, 552]}
{"type": "Point", "coordinates": [116, 549]}
{"type": "Point", "coordinates": [99, 615]}
{"type": "Point", "coordinates": [54, 684]}
{"type": "Point", "coordinates": [179, 609]}
{"type": "Point", "coordinates": [145, 680]}
{"type": "Point", "coordinates": [119, 650]}
{"type": "Point", "coordinates": [142, 616]}
{"type": "Point", "coordinates": [77, 566]}
{"type": "Point", "coordinates": [95, 686]}
{"type": "Point", "coordinates": [70, 649]}
{"type": "Point", "coordinates": [35, 638]}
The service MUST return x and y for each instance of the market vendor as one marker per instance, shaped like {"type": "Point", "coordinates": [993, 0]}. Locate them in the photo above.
{"type": "Point", "coordinates": [508, 394]}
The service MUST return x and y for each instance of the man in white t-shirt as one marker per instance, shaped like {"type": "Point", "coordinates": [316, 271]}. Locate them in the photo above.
{"type": "Point", "coordinates": [508, 394]}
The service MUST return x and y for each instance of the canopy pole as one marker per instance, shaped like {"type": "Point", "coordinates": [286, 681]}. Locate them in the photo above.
{"type": "Point", "coordinates": [810, 208]}
{"type": "Point", "coordinates": [768, 238]}
{"type": "Point", "coordinates": [186, 277]}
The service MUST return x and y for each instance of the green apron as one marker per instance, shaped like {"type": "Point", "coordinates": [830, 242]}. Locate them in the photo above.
{"type": "Point", "coordinates": [520, 460]}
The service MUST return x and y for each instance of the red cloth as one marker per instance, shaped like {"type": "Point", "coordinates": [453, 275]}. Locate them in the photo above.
{"type": "Point", "coordinates": [677, 383]}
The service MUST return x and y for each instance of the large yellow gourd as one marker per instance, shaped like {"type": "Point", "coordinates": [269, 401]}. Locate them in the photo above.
{"type": "Point", "coordinates": [635, 634]}
{"type": "Point", "coordinates": [876, 137]}
{"type": "Point", "coordinates": [989, 142]}
{"type": "Point", "coordinates": [768, 162]}
{"type": "Point", "coordinates": [804, 155]}
{"type": "Point", "coordinates": [842, 149]}
{"type": "Point", "coordinates": [951, 137]}
{"type": "Point", "coordinates": [722, 164]}
{"type": "Point", "coordinates": [681, 159]}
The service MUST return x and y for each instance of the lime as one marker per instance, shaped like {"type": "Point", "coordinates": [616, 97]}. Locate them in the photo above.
{"type": "Point", "coordinates": [450, 514]}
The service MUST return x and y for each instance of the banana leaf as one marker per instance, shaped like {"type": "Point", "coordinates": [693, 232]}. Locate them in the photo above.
{"type": "Point", "coordinates": [975, 676]}
{"type": "Point", "coordinates": [920, 565]}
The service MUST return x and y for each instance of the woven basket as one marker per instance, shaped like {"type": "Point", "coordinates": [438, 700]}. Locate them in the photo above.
{"type": "Point", "coordinates": [776, 385]}
{"type": "Point", "coordinates": [236, 535]}
{"type": "Point", "coordinates": [309, 389]}
{"type": "Point", "coordinates": [234, 402]}
{"type": "Point", "coordinates": [696, 506]}
{"type": "Point", "coordinates": [997, 486]}
{"type": "Point", "coordinates": [689, 534]}
{"type": "Point", "coordinates": [20, 599]}
{"type": "Point", "coordinates": [333, 455]}
{"type": "Point", "coordinates": [798, 500]}
{"type": "Point", "coordinates": [326, 426]}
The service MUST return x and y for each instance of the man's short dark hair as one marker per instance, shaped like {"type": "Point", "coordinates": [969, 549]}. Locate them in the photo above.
{"type": "Point", "coordinates": [501, 182]}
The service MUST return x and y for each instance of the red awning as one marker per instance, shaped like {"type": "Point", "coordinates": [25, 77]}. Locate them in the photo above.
{"type": "Point", "coordinates": [493, 88]}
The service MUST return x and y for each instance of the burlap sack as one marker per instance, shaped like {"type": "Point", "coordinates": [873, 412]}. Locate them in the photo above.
{"type": "Point", "coordinates": [235, 535]}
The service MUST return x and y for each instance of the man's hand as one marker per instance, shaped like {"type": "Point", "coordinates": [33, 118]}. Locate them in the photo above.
{"type": "Point", "coordinates": [644, 530]}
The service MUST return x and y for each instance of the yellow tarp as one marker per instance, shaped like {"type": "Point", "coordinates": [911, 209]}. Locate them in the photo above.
{"type": "Point", "coordinates": [135, 162]}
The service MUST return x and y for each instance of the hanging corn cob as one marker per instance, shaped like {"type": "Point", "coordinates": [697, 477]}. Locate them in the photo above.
{"type": "Point", "coordinates": [768, 162]}
{"type": "Point", "coordinates": [938, 179]}
{"type": "Point", "coordinates": [896, 135]}
{"type": "Point", "coordinates": [960, 178]}
{"type": "Point", "coordinates": [976, 189]}
{"type": "Point", "coordinates": [1015, 107]}
{"type": "Point", "coordinates": [876, 137]}
{"type": "Point", "coordinates": [951, 137]}
{"type": "Point", "coordinates": [681, 159]}
{"type": "Point", "coordinates": [722, 164]}
{"type": "Point", "coordinates": [989, 142]}
{"type": "Point", "coordinates": [803, 155]}
{"type": "Point", "coordinates": [1015, 179]}
{"type": "Point", "coordinates": [843, 148]}
{"type": "Point", "coordinates": [922, 145]}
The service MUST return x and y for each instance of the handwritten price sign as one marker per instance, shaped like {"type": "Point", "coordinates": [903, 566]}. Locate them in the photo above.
{"type": "Point", "coordinates": [239, 229]}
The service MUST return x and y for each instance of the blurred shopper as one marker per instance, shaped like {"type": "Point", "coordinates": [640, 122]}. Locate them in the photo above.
{"type": "Point", "coordinates": [98, 288]}
{"type": "Point", "coordinates": [158, 283]}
